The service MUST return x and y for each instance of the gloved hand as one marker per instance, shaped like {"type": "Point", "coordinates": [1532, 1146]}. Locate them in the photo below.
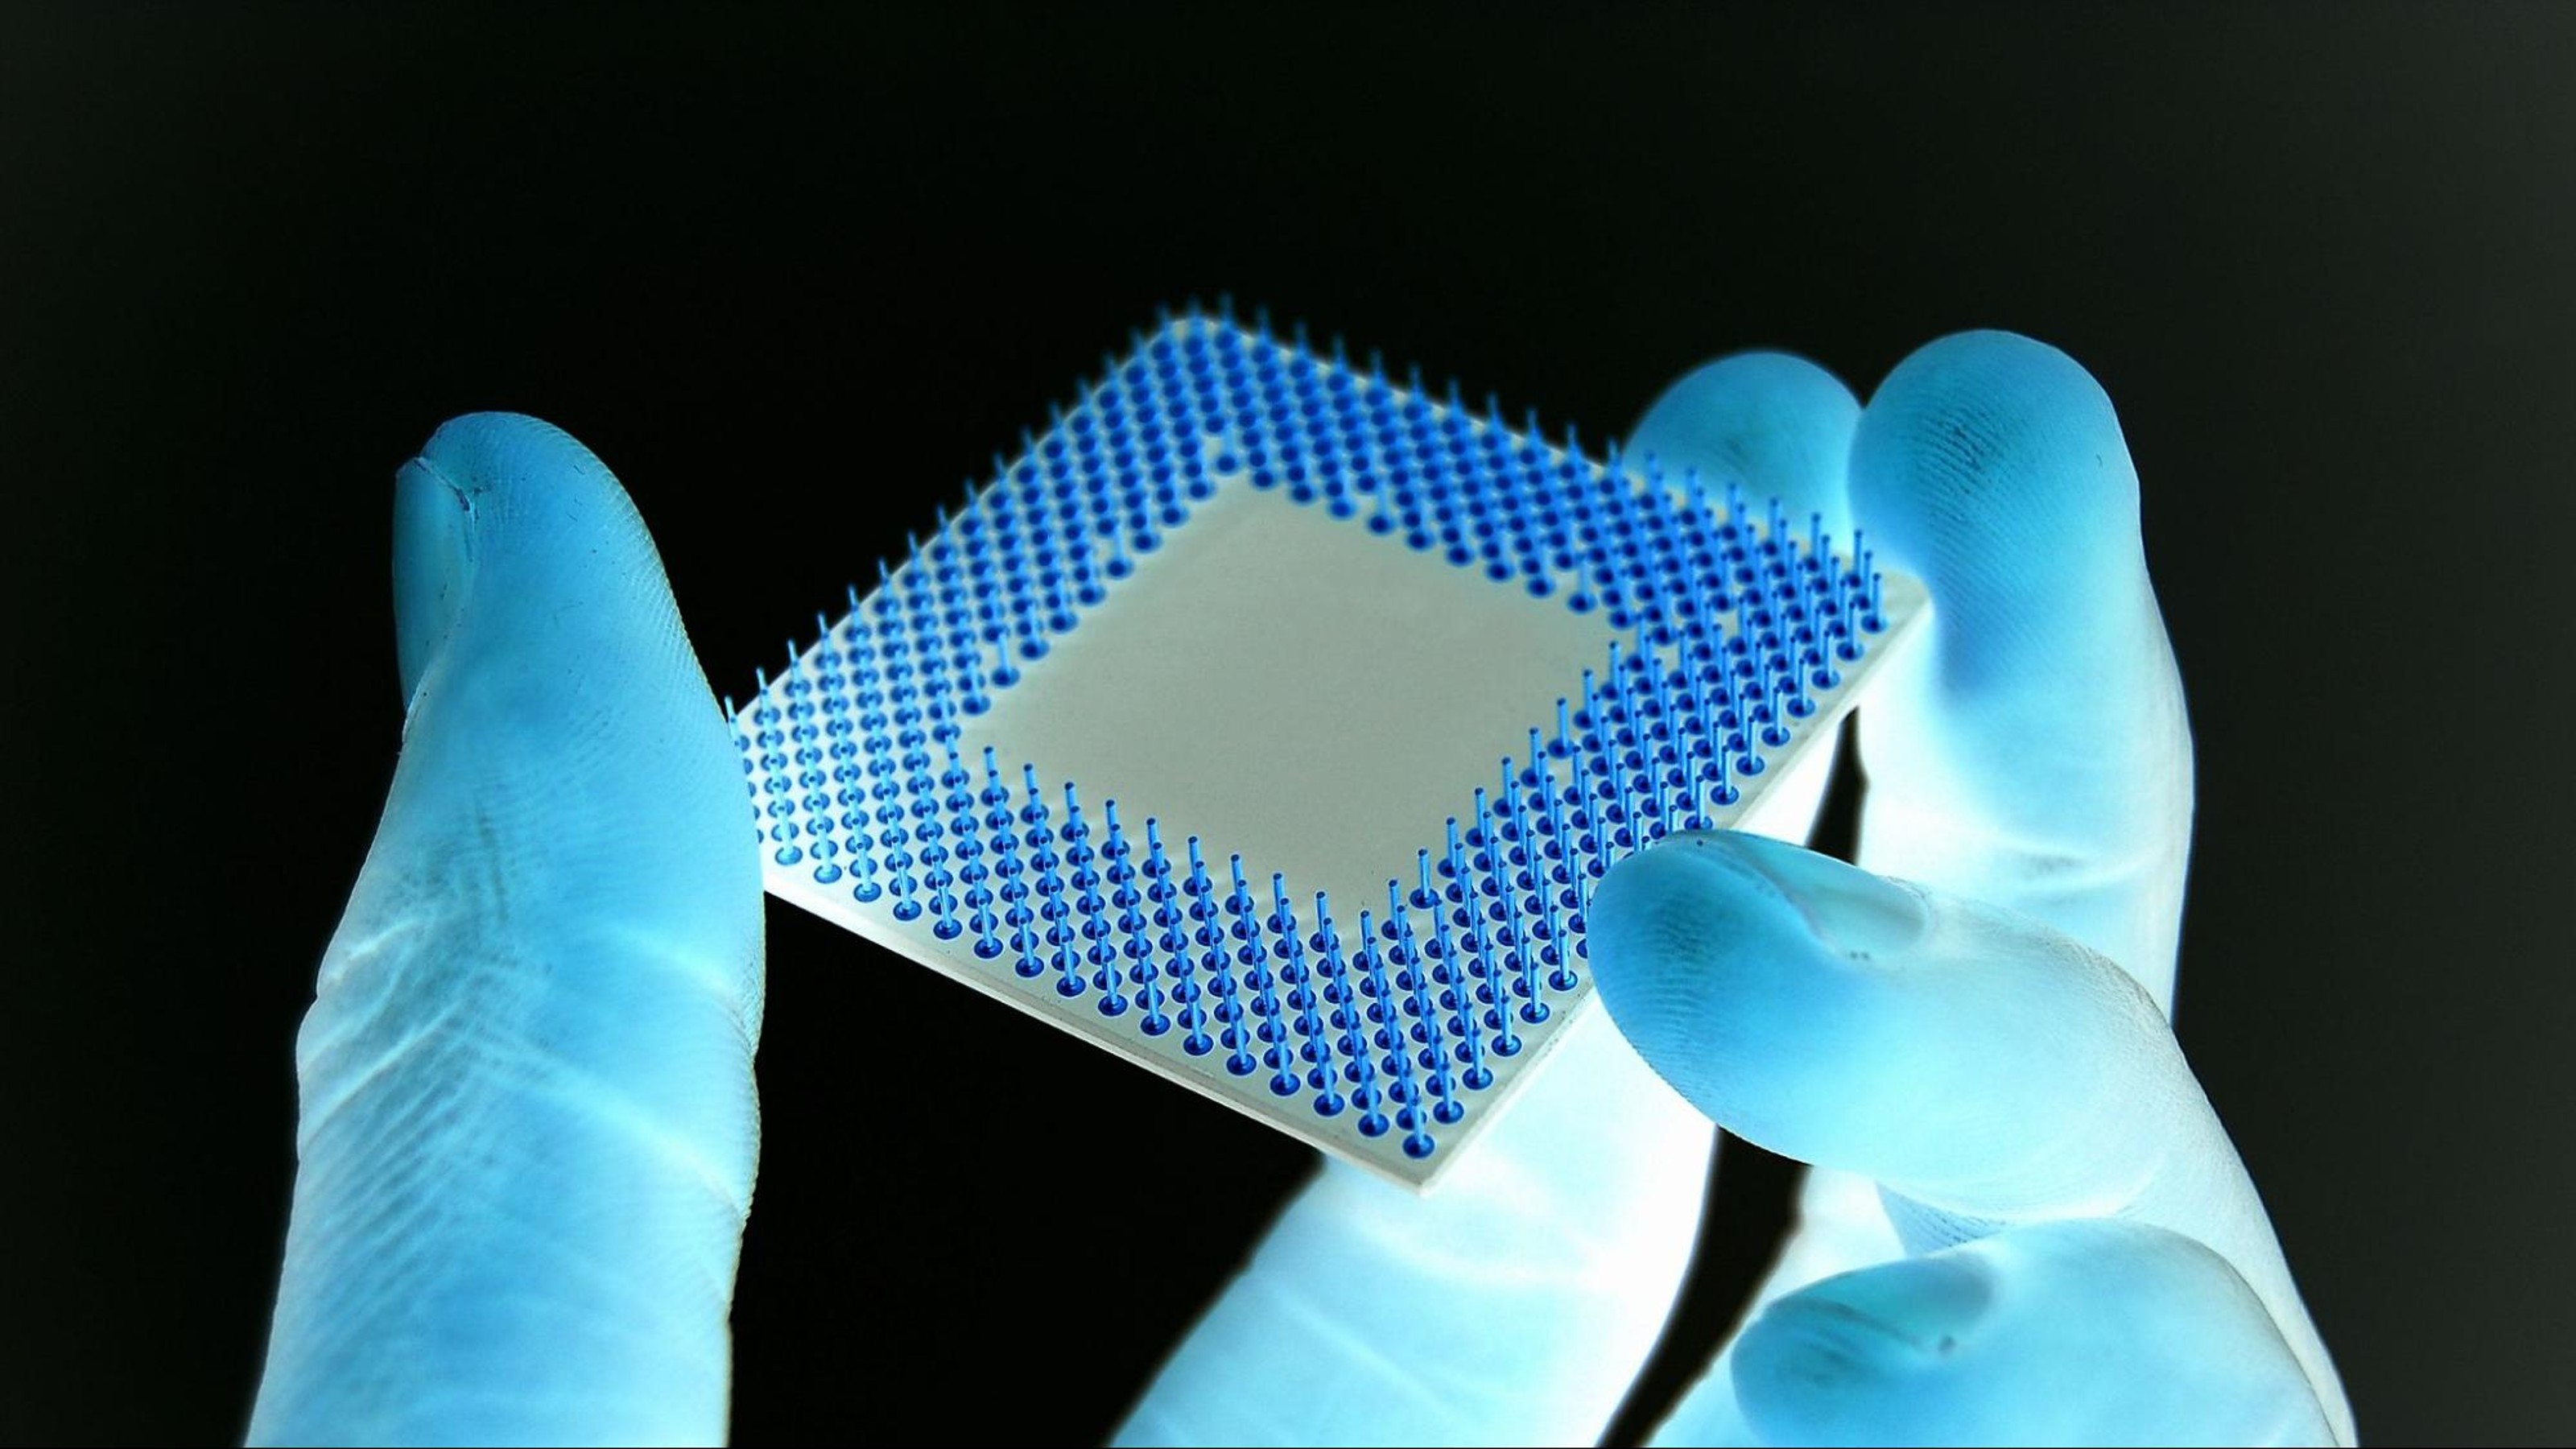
{"type": "Point", "coordinates": [1976, 1057]}
{"type": "Point", "coordinates": [528, 1128]}
{"type": "Point", "coordinates": [529, 1037]}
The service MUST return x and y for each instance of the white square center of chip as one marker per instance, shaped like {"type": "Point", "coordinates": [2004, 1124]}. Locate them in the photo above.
{"type": "Point", "coordinates": [1278, 678]}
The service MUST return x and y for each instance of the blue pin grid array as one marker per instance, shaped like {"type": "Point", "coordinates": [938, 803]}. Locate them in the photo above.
{"type": "Point", "coordinates": [896, 792]}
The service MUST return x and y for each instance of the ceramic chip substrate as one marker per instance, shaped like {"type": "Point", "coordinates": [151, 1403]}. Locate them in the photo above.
{"type": "Point", "coordinates": [1268, 723]}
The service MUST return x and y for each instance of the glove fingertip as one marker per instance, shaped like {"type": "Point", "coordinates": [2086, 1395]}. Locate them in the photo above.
{"type": "Point", "coordinates": [1738, 966]}
{"type": "Point", "coordinates": [1774, 421]}
{"type": "Point", "coordinates": [1994, 467]}
{"type": "Point", "coordinates": [2085, 1331]}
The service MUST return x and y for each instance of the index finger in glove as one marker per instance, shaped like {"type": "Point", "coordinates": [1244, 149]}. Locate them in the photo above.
{"type": "Point", "coordinates": [527, 1127]}
{"type": "Point", "coordinates": [2034, 753]}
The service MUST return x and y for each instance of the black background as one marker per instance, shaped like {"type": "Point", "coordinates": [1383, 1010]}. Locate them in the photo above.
{"type": "Point", "coordinates": [791, 276]}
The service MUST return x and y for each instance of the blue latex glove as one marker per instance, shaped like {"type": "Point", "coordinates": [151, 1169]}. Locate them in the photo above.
{"type": "Point", "coordinates": [528, 1127]}
{"type": "Point", "coordinates": [2026, 1224]}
